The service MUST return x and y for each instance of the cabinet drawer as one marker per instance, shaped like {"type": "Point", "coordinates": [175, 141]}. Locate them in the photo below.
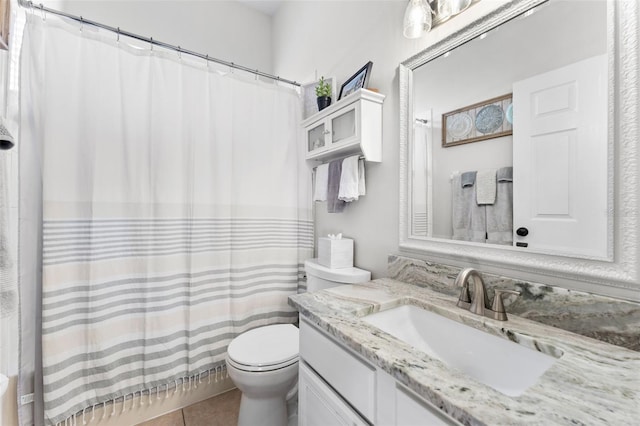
{"type": "Point", "coordinates": [413, 410]}
{"type": "Point", "coordinates": [349, 376]}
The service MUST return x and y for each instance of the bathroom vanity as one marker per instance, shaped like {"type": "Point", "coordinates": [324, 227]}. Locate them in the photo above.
{"type": "Point", "coordinates": [352, 372]}
{"type": "Point", "coordinates": [338, 386]}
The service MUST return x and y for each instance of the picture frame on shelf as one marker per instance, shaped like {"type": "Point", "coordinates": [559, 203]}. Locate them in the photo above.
{"type": "Point", "coordinates": [308, 92]}
{"type": "Point", "coordinates": [359, 80]}
{"type": "Point", "coordinates": [484, 120]}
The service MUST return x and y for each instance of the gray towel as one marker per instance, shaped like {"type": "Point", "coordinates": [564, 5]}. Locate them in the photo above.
{"type": "Point", "coordinates": [334, 205]}
{"type": "Point", "coordinates": [505, 174]}
{"type": "Point", "coordinates": [468, 219]}
{"type": "Point", "coordinates": [500, 215]}
{"type": "Point", "coordinates": [468, 179]}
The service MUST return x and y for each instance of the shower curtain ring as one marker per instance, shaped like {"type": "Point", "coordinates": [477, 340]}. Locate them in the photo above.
{"type": "Point", "coordinates": [81, 23]}
{"type": "Point", "coordinates": [42, 11]}
{"type": "Point", "coordinates": [206, 59]}
{"type": "Point", "coordinates": [232, 67]}
{"type": "Point", "coordinates": [179, 53]}
{"type": "Point", "coordinates": [118, 36]}
{"type": "Point", "coordinates": [257, 71]}
{"type": "Point", "coordinates": [151, 42]}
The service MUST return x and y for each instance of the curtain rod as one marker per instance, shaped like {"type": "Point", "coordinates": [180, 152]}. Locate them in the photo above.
{"type": "Point", "coordinates": [150, 40]}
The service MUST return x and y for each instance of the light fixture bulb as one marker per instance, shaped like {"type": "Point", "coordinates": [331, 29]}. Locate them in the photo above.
{"type": "Point", "coordinates": [444, 10]}
{"type": "Point", "coordinates": [417, 18]}
{"type": "Point", "coordinates": [457, 6]}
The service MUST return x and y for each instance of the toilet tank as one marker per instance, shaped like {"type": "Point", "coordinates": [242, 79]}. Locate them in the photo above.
{"type": "Point", "coordinates": [320, 277]}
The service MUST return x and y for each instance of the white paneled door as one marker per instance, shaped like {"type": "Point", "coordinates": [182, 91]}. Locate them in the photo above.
{"type": "Point", "coordinates": [560, 159]}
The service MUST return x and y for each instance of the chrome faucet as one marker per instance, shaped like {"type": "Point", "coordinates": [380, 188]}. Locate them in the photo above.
{"type": "Point", "coordinates": [479, 304]}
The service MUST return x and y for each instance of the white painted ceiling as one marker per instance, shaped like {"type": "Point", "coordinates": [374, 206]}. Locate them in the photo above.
{"type": "Point", "coordinates": [270, 7]}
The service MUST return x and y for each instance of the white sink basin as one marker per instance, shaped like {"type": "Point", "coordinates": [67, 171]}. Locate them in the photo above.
{"type": "Point", "coordinates": [506, 366]}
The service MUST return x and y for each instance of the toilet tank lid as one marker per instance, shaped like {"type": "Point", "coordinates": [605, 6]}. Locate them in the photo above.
{"type": "Point", "coordinates": [340, 275]}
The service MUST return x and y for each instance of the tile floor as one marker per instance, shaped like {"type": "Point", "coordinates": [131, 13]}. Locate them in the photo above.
{"type": "Point", "coordinates": [221, 410]}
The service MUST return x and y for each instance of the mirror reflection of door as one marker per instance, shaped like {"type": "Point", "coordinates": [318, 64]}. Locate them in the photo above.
{"type": "Point", "coordinates": [560, 158]}
{"type": "Point", "coordinates": [560, 33]}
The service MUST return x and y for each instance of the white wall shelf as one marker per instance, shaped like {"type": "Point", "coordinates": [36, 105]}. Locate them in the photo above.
{"type": "Point", "coordinates": [351, 126]}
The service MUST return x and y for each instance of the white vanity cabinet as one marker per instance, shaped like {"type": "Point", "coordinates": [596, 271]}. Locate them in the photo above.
{"type": "Point", "coordinates": [339, 387]}
{"type": "Point", "coordinates": [319, 405]}
{"type": "Point", "coordinates": [352, 125]}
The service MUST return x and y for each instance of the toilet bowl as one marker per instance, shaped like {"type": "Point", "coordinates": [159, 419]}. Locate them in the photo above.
{"type": "Point", "coordinates": [263, 364]}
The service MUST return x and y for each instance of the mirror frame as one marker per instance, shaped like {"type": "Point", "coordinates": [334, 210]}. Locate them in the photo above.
{"type": "Point", "coordinates": [617, 276]}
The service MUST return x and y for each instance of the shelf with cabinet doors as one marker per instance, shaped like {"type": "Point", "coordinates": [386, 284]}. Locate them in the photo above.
{"type": "Point", "coordinates": [352, 125]}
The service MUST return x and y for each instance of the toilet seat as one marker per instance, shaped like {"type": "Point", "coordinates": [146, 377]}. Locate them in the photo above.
{"type": "Point", "coordinates": [265, 348]}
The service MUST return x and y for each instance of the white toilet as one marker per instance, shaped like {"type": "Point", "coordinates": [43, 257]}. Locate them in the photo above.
{"type": "Point", "coordinates": [263, 362]}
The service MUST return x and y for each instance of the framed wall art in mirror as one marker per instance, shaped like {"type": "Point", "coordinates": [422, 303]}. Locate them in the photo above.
{"type": "Point", "coordinates": [478, 122]}
{"type": "Point", "coordinates": [565, 183]}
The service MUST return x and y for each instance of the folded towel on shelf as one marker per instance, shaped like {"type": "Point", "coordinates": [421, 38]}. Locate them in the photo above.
{"type": "Point", "coordinates": [349, 180]}
{"type": "Point", "coordinates": [500, 216]}
{"type": "Point", "coordinates": [334, 205]}
{"type": "Point", "coordinates": [468, 179]}
{"type": "Point", "coordinates": [322, 181]}
{"type": "Point", "coordinates": [362, 189]}
{"type": "Point", "coordinates": [468, 218]}
{"type": "Point", "coordinates": [486, 186]}
{"type": "Point", "coordinates": [505, 174]}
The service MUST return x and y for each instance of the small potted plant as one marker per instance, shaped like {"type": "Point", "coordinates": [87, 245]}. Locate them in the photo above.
{"type": "Point", "coordinates": [323, 92]}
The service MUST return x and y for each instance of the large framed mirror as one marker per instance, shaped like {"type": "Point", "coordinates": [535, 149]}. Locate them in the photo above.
{"type": "Point", "coordinates": [518, 144]}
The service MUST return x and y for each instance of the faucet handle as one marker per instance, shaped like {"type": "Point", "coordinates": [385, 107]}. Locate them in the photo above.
{"type": "Point", "coordinates": [498, 303]}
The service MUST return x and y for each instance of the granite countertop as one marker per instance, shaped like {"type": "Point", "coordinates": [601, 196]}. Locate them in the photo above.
{"type": "Point", "coordinates": [591, 383]}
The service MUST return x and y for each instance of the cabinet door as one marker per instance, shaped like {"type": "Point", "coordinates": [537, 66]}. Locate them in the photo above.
{"type": "Point", "coordinates": [316, 137]}
{"type": "Point", "coordinates": [319, 405]}
{"type": "Point", "coordinates": [345, 124]}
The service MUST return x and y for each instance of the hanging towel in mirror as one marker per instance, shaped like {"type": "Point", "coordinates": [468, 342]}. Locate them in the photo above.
{"type": "Point", "coordinates": [322, 181]}
{"type": "Point", "coordinates": [486, 186]}
{"type": "Point", "coordinates": [504, 174]}
{"type": "Point", "coordinates": [349, 180]}
{"type": "Point", "coordinates": [500, 215]}
{"type": "Point", "coordinates": [468, 179]}
{"type": "Point", "coordinates": [468, 218]}
{"type": "Point", "coordinates": [334, 205]}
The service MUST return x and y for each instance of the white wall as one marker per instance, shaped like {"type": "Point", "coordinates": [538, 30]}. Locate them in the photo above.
{"type": "Point", "coordinates": [336, 38]}
{"type": "Point", "coordinates": [224, 29]}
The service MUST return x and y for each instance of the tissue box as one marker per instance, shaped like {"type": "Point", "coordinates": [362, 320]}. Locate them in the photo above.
{"type": "Point", "coordinates": [335, 253]}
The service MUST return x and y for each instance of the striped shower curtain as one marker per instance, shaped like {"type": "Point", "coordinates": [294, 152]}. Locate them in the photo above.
{"type": "Point", "coordinates": [174, 211]}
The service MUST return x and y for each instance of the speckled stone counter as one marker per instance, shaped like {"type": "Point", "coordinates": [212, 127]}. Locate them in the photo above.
{"type": "Point", "coordinates": [591, 383]}
{"type": "Point", "coordinates": [611, 320]}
